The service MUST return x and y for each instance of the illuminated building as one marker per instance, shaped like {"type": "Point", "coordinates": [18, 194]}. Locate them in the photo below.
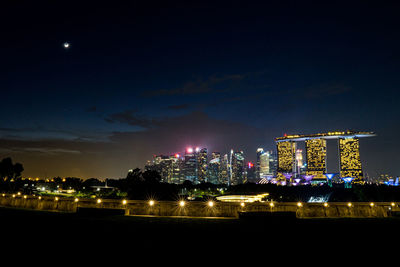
{"type": "Point", "coordinates": [262, 168]}
{"type": "Point", "coordinates": [260, 151]}
{"type": "Point", "coordinates": [316, 157]}
{"type": "Point", "coordinates": [201, 165]}
{"type": "Point", "coordinates": [224, 170]}
{"type": "Point", "coordinates": [273, 163]}
{"type": "Point", "coordinates": [190, 165]}
{"type": "Point", "coordinates": [214, 168]}
{"type": "Point", "coordinates": [349, 154]}
{"type": "Point", "coordinates": [350, 163]}
{"type": "Point", "coordinates": [236, 168]}
{"type": "Point", "coordinates": [250, 174]}
{"type": "Point", "coordinates": [264, 165]}
{"type": "Point", "coordinates": [168, 167]}
{"type": "Point", "coordinates": [286, 156]}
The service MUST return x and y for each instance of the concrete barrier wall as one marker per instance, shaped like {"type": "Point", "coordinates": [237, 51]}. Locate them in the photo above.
{"type": "Point", "coordinates": [202, 209]}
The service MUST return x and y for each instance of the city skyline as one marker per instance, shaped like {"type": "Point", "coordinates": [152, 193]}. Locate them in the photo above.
{"type": "Point", "coordinates": [96, 90]}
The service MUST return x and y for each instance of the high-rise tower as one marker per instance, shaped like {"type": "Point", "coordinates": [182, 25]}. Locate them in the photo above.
{"type": "Point", "coordinates": [350, 162]}
{"type": "Point", "coordinates": [201, 165]}
{"type": "Point", "coordinates": [190, 165]}
{"type": "Point", "coordinates": [316, 157]}
{"type": "Point", "coordinates": [286, 156]}
{"type": "Point", "coordinates": [214, 168]}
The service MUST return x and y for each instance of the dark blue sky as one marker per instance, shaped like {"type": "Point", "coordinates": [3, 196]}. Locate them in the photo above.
{"type": "Point", "coordinates": [143, 79]}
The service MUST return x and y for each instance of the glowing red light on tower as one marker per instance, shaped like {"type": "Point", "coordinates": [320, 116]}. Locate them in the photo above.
{"type": "Point", "coordinates": [251, 165]}
{"type": "Point", "coordinates": [285, 135]}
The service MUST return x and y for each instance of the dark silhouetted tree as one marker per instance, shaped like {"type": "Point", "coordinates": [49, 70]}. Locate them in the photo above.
{"type": "Point", "coordinates": [8, 170]}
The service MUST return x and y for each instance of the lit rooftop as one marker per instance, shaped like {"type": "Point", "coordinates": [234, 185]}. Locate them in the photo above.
{"type": "Point", "coordinates": [328, 135]}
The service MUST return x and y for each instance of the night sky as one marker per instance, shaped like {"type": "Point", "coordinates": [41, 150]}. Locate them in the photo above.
{"type": "Point", "coordinates": [143, 79]}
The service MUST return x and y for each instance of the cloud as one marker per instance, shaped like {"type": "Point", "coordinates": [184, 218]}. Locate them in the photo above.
{"type": "Point", "coordinates": [325, 90]}
{"type": "Point", "coordinates": [200, 86]}
{"type": "Point", "coordinates": [131, 117]}
{"type": "Point", "coordinates": [39, 133]}
{"type": "Point", "coordinates": [178, 107]}
{"type": "Point", "coordinates": [92, 109]}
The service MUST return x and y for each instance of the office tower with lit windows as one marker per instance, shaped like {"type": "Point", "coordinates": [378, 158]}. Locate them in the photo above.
{"type": "Point", "coordinates": [190, 165]}
{"type": "Point", "coordinates": [273, 163]}
{"type": "Point", "coordinates": [286, 156]}
{"type": "Point", "coordinates": [264, 164]}
{"type": "Point", "coordinates": [237, 168]}
{"type": "Point", "coordinates": [177, 167]}
{"type": "Point", "coordinates": [260, 151]}
{"type": "Point", "coordinates": [316, 157]}
{"type": "Point", "coordinates": [224, 170]}
{"type": "Point", "coordinates": [350, 162]}
{"type": "Point", "coordinates": [201, 165]}
{"type": "Point", "coordinates": [167, 166]}
{"type": "Point", "coordinates": [214, 168]}
{"type": "Point", "coordinates": [250, 174]}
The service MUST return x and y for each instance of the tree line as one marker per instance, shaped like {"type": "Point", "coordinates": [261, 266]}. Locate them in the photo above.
{"type": "Point", "coordinates": [147, 184]}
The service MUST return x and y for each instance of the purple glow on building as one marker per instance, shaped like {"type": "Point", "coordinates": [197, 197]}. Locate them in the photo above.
{"type": "Point", "coordinates": [287, 175]}
{"type": "Point", "coordinates": [308, 177]}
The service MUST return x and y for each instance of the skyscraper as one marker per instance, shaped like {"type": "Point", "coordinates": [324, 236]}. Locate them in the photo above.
{"type": "Point", "coordinates": [273, 163]}
{"type": "Point", "coordinates": [237, 168]}
{"type": "Point", "coordinates": [260, 151]}
{"type": "Point", "coordinates": [190, 165]}
{"type": "Point", "coordinates": [286, 156]}
{"type": "Point", "coordinates": [167, 166]}
{"type": "Point", "coordinates": [350, 163]}
{"type": "Point", "coordinates": [264, 164]}
{"type": "Point", "coordinates": [224, 170]}
{"type": "Point", "coordinates": [201, 165]}
{"type": "Point", "coordinates": [251, 173]}
{"type": "Point", "coordinates": [316, 156]}
{"type": "Point", "coordinates": [214, 168]}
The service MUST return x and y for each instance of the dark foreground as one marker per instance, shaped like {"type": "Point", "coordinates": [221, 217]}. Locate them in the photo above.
{"type": "Point", "coordinates": [127, 236]}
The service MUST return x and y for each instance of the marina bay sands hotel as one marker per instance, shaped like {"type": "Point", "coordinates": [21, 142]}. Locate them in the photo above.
{"type": "Point", "coordinates": [316, 152]}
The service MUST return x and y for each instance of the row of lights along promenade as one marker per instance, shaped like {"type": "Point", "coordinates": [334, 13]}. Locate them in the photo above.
{"type": "Point", "coordinates": [210, 208]}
